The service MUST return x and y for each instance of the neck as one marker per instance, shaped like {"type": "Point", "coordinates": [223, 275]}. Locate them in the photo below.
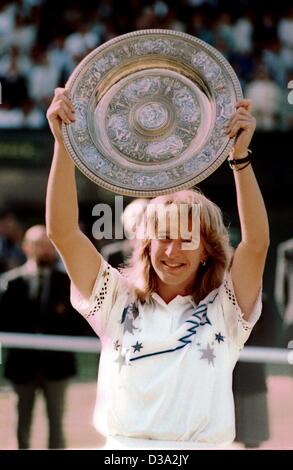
{"type": "Point", "coordinates": [168, 292]}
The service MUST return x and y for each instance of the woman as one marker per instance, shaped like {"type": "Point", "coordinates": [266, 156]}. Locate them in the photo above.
{"type": "Point", "coordinates": [173, 323]}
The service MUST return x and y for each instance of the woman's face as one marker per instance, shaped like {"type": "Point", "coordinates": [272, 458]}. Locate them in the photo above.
{"type": "Point", "coordinates": [175, 265]}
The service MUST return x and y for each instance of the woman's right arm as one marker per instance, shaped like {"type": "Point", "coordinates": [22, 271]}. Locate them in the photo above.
{"type": "Point", "coordinates": [81, 259]}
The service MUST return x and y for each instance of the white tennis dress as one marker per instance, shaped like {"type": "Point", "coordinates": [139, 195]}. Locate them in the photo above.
{"type": "Point", "coordinates": [165, 373]}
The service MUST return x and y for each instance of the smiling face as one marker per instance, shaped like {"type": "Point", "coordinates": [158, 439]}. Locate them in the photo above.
{"type": "Point", "coordinates": [174, 263]}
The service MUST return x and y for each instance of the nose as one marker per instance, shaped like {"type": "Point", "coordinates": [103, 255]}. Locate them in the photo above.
{"type": "Point", "coordinates": [173, 248]}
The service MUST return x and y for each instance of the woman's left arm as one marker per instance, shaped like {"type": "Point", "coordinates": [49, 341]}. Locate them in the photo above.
{"type": "Point", "coordinates": [249, 258]}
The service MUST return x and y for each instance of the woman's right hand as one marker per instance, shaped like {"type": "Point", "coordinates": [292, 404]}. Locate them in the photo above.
{"type": "Point", "coordinates": [61, 109]}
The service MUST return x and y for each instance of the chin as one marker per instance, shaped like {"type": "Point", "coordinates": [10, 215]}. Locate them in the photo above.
{"type": "Point", "coordinates": [171, 279]}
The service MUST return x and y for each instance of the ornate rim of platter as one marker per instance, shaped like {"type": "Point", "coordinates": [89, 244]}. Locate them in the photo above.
{"type": "Point", "coordinates": [151, 109]}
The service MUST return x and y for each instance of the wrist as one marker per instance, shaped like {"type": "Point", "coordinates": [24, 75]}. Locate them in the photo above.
{"type": "Point", "coordinates": [241, 161]}
{"type": "Point", "coordinates": [236, 154]}
{"type": "Point", "coordinates": [60, 150]}
{"type": "Point", "coordinates": [58, 144]}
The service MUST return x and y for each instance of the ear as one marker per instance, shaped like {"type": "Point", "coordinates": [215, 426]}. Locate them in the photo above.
{"type": "Point", "coordinates": [25, 248]}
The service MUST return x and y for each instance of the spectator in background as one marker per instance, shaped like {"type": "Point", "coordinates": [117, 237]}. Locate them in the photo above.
{"type": "Point", "coordinates": [11, 254]}
{"type": "Point", "coordinates": [275, 62]}
{"type": "Point", "coordinates": [200, 29]}
{"type": "Point", "coordinates": [285, 29]}
{"type": "Point", "coordinates": [79, 43]}
{"type": "Point", "coordinates": [59, 58]}
{"type": "Point", "coordinates": [35, 299]}
{"type": "Point", "coordinates": [24, 34]}
{"type": "Point", "coordinates": [284, 288]}
{"type": "Point", "coordinates": [43, 76]}
{"type": "Point", "coordinates": [7, 21]}
{"type": "Point", "coordinates": [242, 33]}
{"type": "Point", "coordinates": [13, 80]}
{"type": "Point", "coordinates": [266, 96]}
{"type": "Point", "coordinates": [13, 59]}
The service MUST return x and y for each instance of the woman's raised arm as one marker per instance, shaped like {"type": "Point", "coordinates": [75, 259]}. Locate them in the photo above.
{"type": "Point", "coordinates": [250, 255]}
{"type": "Point", "coordinates": [81, 259]}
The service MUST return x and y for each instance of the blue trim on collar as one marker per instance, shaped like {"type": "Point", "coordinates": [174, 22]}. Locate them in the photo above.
{"type": "Point", "coordinates": [200, 319]}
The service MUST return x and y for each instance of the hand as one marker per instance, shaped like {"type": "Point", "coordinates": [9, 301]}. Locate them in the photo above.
{"type": "Point", "coordinates": [242, 126]}
{"type": "Point", "coordinates": [61, 109]}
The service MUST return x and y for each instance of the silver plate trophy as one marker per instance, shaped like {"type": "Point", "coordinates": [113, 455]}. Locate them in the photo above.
{"type": "Point", "coordinates": [151, 109]}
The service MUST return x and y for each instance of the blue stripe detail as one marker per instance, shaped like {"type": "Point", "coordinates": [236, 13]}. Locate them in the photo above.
{"type": "Point", "coordinates": [202, 319]}
{"type": "Point", "coordinates": [124, 314]}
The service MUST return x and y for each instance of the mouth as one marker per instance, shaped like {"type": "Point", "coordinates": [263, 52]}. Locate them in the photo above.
{"type": "Point", "coordinates": [172, 266]}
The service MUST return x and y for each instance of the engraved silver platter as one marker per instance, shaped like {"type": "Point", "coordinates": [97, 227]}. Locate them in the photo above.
{"type": "Point", "coordinates": [151, 109]}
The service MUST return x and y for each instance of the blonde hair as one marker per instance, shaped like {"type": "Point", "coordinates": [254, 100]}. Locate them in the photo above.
{"type": "Point", "coordinates": [215, 239]}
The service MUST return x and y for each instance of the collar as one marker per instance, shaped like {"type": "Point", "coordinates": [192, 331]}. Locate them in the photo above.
{"type": "Point", "coordinates": [31, 268]}
{"type": "Point", "coordinates": [178, 300]}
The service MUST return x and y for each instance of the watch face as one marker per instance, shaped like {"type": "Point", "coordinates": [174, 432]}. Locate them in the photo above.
{"type": "Point", "coordinates": [151, 109]}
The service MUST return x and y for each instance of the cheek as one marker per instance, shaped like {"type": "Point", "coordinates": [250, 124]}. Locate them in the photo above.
{"type": "Point", "coordinates": [156, 252]}
{"type": "Point", "coordinates": [154, 248]}
{"type": "Point", "coordinates": [193, 259]}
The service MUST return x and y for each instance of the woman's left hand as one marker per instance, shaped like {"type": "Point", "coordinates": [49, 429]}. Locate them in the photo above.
{"type": "Point", "coordinates": [242, 126]}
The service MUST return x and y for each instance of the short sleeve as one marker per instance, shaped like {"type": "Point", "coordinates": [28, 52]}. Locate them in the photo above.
{"type": "Point", "coordinates": [110, 290]}
{"type": "Point", "coordinates": [238, 329]}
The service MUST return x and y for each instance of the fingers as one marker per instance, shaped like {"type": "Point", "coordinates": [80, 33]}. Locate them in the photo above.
{"type": "Point", "coordinates": [240, 114]}
{"type": "Point", "coordinates": [61, 91]}
{"type": "Point", "coordinates": [68, 102]}
{"type": "Point", "coordinates": [68, 109]}
{"type": "Point", "coordinates": [246, 104]}
{"type": "Point", "coordinates": [62, 114]}
{"type": "Point", "coordinates": [243, 112]}
{"type": "Point", "coordinates": [239, 124]}
{"type": "Point", "coordinates": [242, 119]}
{"type": "Point", "coordinates": [61, 107]}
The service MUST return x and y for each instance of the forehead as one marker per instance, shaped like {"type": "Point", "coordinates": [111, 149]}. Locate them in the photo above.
{"type": "Point", "coordinates": [177, 217]}
{"type": "Point", "coordinates": [41, 241]}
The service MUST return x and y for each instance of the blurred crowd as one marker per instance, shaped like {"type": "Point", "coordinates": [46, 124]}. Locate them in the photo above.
{"type": "Point", "coordinates": [41, 42]}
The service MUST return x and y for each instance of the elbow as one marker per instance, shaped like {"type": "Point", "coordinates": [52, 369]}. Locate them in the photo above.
{"type": "Point", "coordinates": [51, 231]}
{"type": "Point", "coordinates": [261, 242]}
{"type": "Point", "coordinates": [50, 235]}
{"type": "Point", "coordinates": [266, 241]}
{"type": "Point", "coordinates": [59, 237]}
{"type": "Point", "coordinates": [262, 247]}
{"type": "Point", "coordinates": [54, 235]}
{"type": "Point", "coordinates": [257, 246]}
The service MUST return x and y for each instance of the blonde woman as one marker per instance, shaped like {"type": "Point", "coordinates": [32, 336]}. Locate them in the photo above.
{"type": "Point", "coordinates": [173, 322]}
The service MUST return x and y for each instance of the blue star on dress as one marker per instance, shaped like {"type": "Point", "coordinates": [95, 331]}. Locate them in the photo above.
{"type": "Point", "coordinates": [128, 325]}
{"type": "Point", "coordinates": [137, 346]}
{"type": "Point", "coordinates": [129, 315]}
{"type": "Point", "coordinates": [208, 354]}
{"type": "Point", "coordinates": [219, 337]}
